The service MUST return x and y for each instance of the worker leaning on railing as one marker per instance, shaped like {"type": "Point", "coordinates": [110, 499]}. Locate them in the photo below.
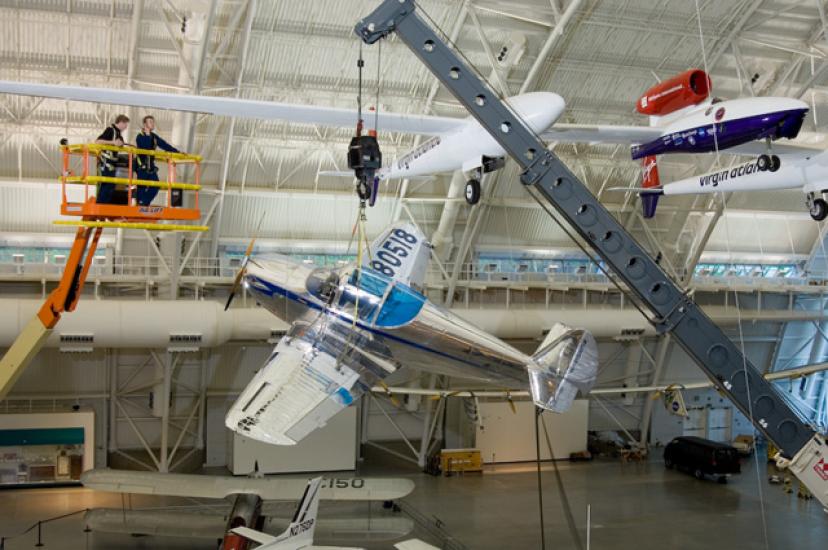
{"type": "Point", "coordinates": [145, 167]}
{"type": "Point", "coordinates": [107, 161]}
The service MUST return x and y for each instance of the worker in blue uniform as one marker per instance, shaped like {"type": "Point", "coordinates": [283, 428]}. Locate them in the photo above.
{"type": "Point", "coordinates": [108, 159]}
{"type": "Point", "coordinates": [145, 167]}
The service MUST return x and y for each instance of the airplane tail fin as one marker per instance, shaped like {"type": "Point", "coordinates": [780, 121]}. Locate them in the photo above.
{"type": "Point", "coordinates": [301, 528]}
{"type": "Point", "coordinates": [566, 362]}
{"type": "Point", "coordinates": [401, 252]}
{"type": "Point", "coordinates": [652, 187]}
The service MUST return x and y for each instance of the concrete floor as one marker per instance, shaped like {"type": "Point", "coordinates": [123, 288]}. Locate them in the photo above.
{"type": "Point", "coordinates": [640, 506]}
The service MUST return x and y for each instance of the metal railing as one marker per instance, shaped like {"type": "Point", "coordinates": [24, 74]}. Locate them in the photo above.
{"type": "Point", "coordinates": [222, 269]}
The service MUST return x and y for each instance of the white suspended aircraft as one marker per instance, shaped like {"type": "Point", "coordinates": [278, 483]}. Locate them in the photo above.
{"type": "Point", "coordinates": [352, 327]}
{"type": "Point", "coordinates": [299, 534]}
{"type": "Point", "coordinates": [806, 170]}
{"type": "Point", "coordinates": [683, 119]}
{"type": "Point", "coordinates": [251, 501]}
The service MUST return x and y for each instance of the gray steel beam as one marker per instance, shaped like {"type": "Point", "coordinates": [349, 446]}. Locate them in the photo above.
{"type": "Point", "coordinates": [228, 142]}
{"type": "Point", "coordinates": [549, 181]}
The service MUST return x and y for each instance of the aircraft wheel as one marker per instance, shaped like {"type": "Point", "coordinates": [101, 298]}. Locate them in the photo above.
{"type": "Point", "coordinates": [775, 163]}
{"type": "Point", "coordinates": [764, 162]}
{"type": "Point", "coordinates": [473, 191]}
{"type": "Point", "coordinates": [819, 210]}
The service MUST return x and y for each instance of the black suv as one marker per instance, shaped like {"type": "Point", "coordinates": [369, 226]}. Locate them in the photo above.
{"type": "Point", "coordinates": [702, 457]}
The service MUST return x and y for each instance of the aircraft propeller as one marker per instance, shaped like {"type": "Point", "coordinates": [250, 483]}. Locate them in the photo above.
{"type": "Point", "coordinates": [243, 269]}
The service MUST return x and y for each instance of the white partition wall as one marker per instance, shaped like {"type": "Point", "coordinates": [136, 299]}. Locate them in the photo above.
{"type": "Point", "coordinates": [328, 449]}
{"type": "Point", "coordinates": [506, 436]}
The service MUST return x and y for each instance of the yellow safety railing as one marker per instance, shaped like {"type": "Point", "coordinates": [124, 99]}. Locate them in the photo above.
{"type": "Point", "coordinates": [128, 215]}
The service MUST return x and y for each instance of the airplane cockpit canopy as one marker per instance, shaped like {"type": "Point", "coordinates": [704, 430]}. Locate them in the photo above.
{"type": "Point", "coordinates": [322, 283]}
{"type": "Point", "coordinates": [379, 300]}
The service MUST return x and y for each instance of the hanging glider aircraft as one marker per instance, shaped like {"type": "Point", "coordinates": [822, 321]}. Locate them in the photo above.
{"type": "Point", "coordinates": [354, 326]}
{"type": "Point", "coordinates": [252, 502]}
{"type": "Point", "coordinates": [683, 119]}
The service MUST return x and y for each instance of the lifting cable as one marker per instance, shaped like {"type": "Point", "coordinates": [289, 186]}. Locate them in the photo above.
{"type": "Point", "coordinates": [757, 464]}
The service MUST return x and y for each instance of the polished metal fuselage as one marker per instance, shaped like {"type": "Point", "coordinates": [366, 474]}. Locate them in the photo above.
{"type": "Point", "coordinates": [435, 340]}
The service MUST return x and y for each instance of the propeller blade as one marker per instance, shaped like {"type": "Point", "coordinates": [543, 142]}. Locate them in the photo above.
{"type": "Point", "coordinates": [240, 274]}
{"type": "Point", "coordinates": [235, 286]}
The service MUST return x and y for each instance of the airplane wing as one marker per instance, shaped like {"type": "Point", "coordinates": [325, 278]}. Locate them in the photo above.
{"type": "Point", "coordinates": [756, 148]}
{"type": "Point", "coordinates": [211, 524]}
{"type": "Point", "coordinates": [316, 370]}
{"type": "Point", "coordinates": [788, 374]}
{"type": "Point", "coordinates": [633, 135]}
{"type": "Point", "coordinates": [245, 108]}
{"type": "Point", "coordinates": [204, 486]}
{"type": "Point", "coordinates": [585, 133]}
{"type": "Point", "coordinates": [165, 523]}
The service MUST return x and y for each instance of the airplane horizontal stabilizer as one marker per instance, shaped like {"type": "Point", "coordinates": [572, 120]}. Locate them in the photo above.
{"type": "Point", "coordinates": [565, 363]}
{"type": "Point", "coordinates": [252, 534]}
{"type": "Point", "coordinates": [414, 544]}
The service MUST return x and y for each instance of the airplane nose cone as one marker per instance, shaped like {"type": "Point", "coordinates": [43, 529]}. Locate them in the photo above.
{"type": "Point", "coordinates": [539, 109]}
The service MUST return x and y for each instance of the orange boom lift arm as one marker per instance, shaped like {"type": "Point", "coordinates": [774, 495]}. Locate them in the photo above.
{"type": "Point", "coordinates": [94, 218]}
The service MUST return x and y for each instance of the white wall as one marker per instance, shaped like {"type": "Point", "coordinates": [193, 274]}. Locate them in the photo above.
{"type": "Point", "coordinates": [330, 448]}
{"type": "Point", "coordinates": [506, 436]}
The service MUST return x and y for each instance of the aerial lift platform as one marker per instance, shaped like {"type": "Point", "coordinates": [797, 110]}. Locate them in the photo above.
{"type": "Point", "coordinates": [554, 186]}
{"type": "Point", "coordinates": [94, 218]}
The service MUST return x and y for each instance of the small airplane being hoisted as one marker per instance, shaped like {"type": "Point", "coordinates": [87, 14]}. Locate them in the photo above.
{"type": "Point", "coordinates": [354, 326]}
{"type": "Point", "coordinates": [683, 119]}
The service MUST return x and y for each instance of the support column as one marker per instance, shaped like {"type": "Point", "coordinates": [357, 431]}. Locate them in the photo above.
{"type": "Point", "coordinates": [816, 384]}
{"type": "Point", "coordinates": [647, 415]}
{"type": "Point", "coordinates": [425, 440]}
{"type": "Point", "coordinates": [228, 142]}
{"type": "Point", "coordinates": [163, 460]}
{"type": "Point", "coordinates": [443, 238]}
{"type": "Point", "coordinates": [632, 369]}
{"type": "Point", "coordinates": [112, 366]}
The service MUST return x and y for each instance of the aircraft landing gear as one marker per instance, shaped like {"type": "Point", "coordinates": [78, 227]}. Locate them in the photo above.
{"type": "Point", "coordinates": [818, 208]}
{"type": "Point", "coordinates": [768, 162]}
{"type": "Point", "coordinates": [473, 191]}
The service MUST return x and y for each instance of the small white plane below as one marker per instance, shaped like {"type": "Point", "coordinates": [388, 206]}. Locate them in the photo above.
{"type": "Point", "coordinates": [683, 119]}
{"type": "Point", "coordinates": [354, 326]}
{"type": "Point", "coordinates": [250, 498]}
{"type": "Point", "coordinates": [299, 534]}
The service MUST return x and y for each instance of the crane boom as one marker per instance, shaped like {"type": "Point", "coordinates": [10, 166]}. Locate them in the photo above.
{"type": "Point", "coordinates": [551, 183]}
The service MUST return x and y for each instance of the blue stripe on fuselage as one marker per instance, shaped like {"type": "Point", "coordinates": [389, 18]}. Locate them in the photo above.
{"type": "Point", "coordinates": [729, 133]}
{"type": "Point", "coordinates": [260, 285]}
